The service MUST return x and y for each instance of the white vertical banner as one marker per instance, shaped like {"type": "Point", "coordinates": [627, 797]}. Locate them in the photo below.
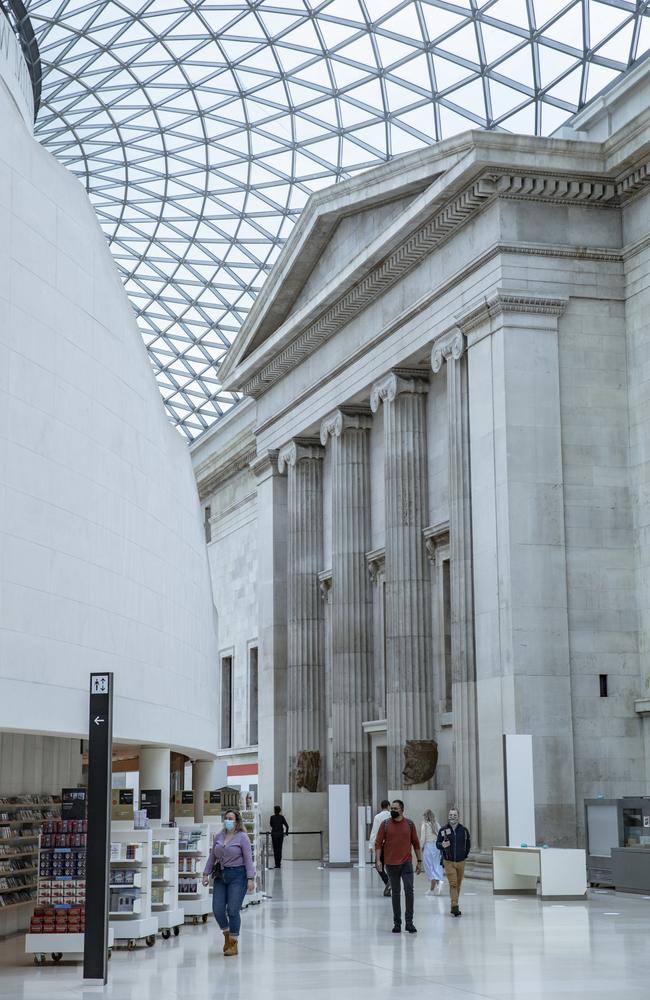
{"type": "Point", "coordinates": [339, 824]}
{"type": "Point", "coordinates": [362, 839]}
{"type": "Point", "coordinates": [519, 790]}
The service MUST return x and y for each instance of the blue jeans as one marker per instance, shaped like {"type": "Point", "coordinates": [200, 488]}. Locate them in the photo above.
{"type": "Point", "coordinates": [227, 897]}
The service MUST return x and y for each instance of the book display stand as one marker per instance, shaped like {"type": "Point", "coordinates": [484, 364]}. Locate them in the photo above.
{"type": "Point", "coordinates": [164, 881]}
{"type": "Point", "coordinates": [130, 913]}
{"type": "Point", "coordinates": [194, 846]}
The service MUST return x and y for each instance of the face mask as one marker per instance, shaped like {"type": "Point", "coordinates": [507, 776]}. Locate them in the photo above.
{"type": "Point", "coordinates": [229, 824]}
{"type": "Point", "coordinates": [453, 821]}
{"type": "Point", "coordinates": [395, 813]}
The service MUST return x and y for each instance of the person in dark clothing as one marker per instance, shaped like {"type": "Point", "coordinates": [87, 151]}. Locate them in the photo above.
{"type": "Point", "coordinates": [454, 845]}
{"type": "Point", "coordinates": [279, 829]}
{"type": "Point", "coordinates": [396, 840]}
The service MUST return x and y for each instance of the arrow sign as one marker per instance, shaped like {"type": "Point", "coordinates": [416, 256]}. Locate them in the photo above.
{"type": "Point", "coordinates": [100, 737]}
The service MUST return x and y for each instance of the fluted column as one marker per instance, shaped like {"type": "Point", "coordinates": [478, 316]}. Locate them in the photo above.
{"type": "Point", "coordinates": [351, 608]}
{"type": "Point", "coordinates": [303, 462]}
{"type": "Point", "coordinates": [409, 699]}
{"type": "Point", "coordinates": [463, 662]}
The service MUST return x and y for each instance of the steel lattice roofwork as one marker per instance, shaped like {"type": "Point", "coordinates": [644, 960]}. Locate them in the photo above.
{"type": "Point", "coordinates": [199, 129]}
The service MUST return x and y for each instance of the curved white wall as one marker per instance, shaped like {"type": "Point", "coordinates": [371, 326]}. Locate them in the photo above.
{"type": "Point", "coordinates": [103, 564]}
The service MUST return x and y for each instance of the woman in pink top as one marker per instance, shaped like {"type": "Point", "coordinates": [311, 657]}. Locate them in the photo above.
{"type": "Point", "coordinates": [236, 876]}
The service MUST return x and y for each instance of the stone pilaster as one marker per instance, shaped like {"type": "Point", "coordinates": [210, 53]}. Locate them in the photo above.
{"type": "Point", "coordinates": [351, 608]}
{"type": "Point", "coordinates": [272, 627]}
{"type": "Point", "coordinates": [408, 604]}
{"type": "Point", "coordinates": [303, 462]}
{"type": "Point", "coordinates": [463, 662]}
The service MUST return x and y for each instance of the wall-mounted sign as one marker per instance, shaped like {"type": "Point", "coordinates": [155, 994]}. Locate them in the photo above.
{"type": "Point", "coordinates": [183, 803]}
{"type": "Point", "coordinates": [646, 821]}
{"type": "Point", "coordinates": [151, 800]}
{"type": "Point", "coordinates": [122, 803]}
{"type": "Point", "coordinates": [73, 803]}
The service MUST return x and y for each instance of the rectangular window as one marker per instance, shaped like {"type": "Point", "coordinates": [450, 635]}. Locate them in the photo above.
{"type": "Point", "coordinates": [446, 622]}
{"type": "Point", "coordinates": [603, 685]}
{"type": "Point", "coordinates": [252, 696]}
{"type": "Point", "coordinates": [207, 513]}
{"type": "Point", "coordinates": [226, 702]}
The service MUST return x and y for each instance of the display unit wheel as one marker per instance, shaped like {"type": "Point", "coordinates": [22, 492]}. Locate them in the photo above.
{"type": "Point", "coordinates": [150, 940]}
{"type": "Point", "coordinates": [204, 918]}
{"type": "Point", "coordinates": [177, 931]}
{"type": "Point", "coordinates": [39, 959]}
{"type": "Point", "coordinates": [166, 933]}
{"type": "Point", "coordinates": [57, 956]}
{"type": "Point", "coordinates": [131, 944]}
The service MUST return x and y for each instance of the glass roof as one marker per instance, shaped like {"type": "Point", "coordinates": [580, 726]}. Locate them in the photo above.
{"type": "Point", "coordinates": [200, 128]}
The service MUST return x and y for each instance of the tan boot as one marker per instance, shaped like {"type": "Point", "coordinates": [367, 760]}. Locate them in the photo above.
{"type": "Point", "coordinates": [226, 942]}
{"type": "Point", "coordinates": [232, 946]}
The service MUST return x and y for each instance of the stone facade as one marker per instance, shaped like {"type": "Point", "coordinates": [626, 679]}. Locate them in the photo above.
{"type": "Point", "coordinates": [463, 334]}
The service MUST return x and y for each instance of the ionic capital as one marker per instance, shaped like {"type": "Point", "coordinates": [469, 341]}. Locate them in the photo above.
{"type": "Point", "coordinates": [450, 345]}
{"type": "Point", "coordinates": [395, 384]}
{"type": "Point", "coordinates": [337, 423]}
{"type": "Point", "coordinates": [297, 451]}
{"type": "Point", "coordinates": [376, 561]}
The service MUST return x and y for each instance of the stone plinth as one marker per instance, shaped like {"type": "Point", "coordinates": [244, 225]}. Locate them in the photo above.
{"type": "Point", "coordinates": [304, 811]}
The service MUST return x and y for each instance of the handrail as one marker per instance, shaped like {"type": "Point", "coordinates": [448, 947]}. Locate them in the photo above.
{"type": "Point", "coordinates": [16, 14]}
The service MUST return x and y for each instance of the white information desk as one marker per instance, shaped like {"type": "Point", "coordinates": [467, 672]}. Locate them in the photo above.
{"type": "Point", "coordinates": [562, 873]}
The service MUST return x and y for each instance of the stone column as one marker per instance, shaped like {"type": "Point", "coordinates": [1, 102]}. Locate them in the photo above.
{"type": "Point", "coordinates": [272, 628]}
{"type": "Point", "coordinates": [303, 462]}
{"type": "Point", "coordinates": [409, 694]}
{"type": "Point", "coordinates": [351, 610]}
{"type": "Point", "coordinates": [155, 772]}
{"type": "Point", "coordinates": [463, 662]}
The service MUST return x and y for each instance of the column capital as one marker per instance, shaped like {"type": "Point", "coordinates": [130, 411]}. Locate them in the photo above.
{"type": "Point", "coordinates": [450, 345]}
{"type": "Point", "coordinates": [296, 451]}
{"type": "Point", "coordinates": [376, 561]}
{"type": "Point", "coordinates": [344, 419]}
{"type": "Point", "coordinates": [325, 584]}
{"type": "Point", "coordinates": [398, 382]}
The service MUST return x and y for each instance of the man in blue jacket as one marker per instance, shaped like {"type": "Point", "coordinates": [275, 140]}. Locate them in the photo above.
{"type": "Point", "coordinates": [454, 845]}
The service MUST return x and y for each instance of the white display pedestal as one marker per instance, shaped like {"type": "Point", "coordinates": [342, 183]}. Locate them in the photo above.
{"type": "Point", "coordinates": [304, 811]}
{"type": "Point", "coordinates": [417, 800]}
{"type": "Point", "coordinates": [562, 873]}
{"type": "Point", "coordinates": [59, 946]}
{"type": "Point", "coordinates": [339, 855]}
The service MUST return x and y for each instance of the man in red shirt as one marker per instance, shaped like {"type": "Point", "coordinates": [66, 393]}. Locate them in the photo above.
{"type": "Point", "coordinates": [398, 838]}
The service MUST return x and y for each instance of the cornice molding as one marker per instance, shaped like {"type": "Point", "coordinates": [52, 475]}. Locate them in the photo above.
{"type": "Point", "coordinates": [209, 482]}
{"type": "Point", "coordinates": [265, 464]}
{"type": "Point", "coordinates": [532, 186]}
{"type": "Point", "coordinates": [344, 419]}
{"type": "Point", "coordinates": [396, 383]}
{"type": "Point", "coordinates": [298, 450]}
{"type": "Point", "coordinates": [510, 302]}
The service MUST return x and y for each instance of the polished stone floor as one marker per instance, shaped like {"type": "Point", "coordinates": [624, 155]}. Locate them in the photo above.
{"type": "Point", "coordinates": [327, 935]}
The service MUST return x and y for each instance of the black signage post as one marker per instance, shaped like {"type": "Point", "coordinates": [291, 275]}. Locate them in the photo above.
{"type": "Point", "coordinates": [100, 745]}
